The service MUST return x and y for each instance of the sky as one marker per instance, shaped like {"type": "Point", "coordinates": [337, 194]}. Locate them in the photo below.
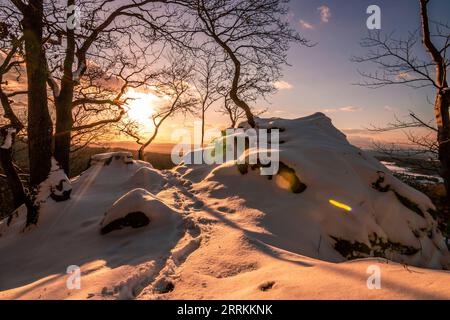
{"type": "Point", "coordinates": [321, 78]}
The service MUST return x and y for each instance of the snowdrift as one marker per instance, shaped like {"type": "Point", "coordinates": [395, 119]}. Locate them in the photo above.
{"type": "Point", "coordinates": [226, 232]}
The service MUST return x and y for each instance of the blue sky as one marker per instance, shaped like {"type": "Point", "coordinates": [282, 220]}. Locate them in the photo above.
{"type": "Point", "coordinates": [322, 77]}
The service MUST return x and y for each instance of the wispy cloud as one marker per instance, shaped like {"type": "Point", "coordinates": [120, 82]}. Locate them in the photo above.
{"type": "Point", "coordinates": [343, 109]}
{"type": "Point", "coordinates": [325, 13]}
{"type": "Point", "coordinates": [283, 85]}
{"type": "Point", "coordinates": [306, 25]}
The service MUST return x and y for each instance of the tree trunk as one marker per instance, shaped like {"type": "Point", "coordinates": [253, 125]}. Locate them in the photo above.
{"type": "Point", "coordinates": [12, 177]}
{"type": "Point", "coordinates": [63, 131]}
{"type": "Point", "coordinates": [40, 126]}
{"type": "Point", "coordinates": [141, 152]}
{"type": "Point", "coordinates": [64, 120]}
{"type": "Point", "coordinates": [442, 105]}
{"type": "Point", "coordinates": [235, 84]}
{"type": "Point", "coordinates": [39, 121]}
{"type": "Point", "coordinates": [203, 126]}
{"type": "Point", "coordinates": [14, 182]}
{"type": "Point", "coordinates": [234, 94]}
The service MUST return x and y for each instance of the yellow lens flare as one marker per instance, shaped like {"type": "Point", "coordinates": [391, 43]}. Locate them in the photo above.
{"type": "Point", "coordinates": [340, 205]}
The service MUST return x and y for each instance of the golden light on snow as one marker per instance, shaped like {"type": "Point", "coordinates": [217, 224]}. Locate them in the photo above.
{"type": "Point", "coordinates": [141, 107]}
{"type": "Point", "coordinates": [284, 181]}
{"type": "Point", "coordinates": [340, 205]}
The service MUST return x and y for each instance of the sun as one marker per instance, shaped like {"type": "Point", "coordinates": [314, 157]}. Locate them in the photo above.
{"type": "Point", "coordinates": [141, 106]}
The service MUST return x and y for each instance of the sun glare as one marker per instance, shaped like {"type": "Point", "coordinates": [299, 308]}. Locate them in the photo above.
{"type": "Point", "coordinates": [141, 107]}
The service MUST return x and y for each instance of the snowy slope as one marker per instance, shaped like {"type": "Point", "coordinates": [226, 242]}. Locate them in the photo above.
{"type": "Point", "coordinates": [387, 217]}
{"type": "Point", "coordinates": [213, 231]}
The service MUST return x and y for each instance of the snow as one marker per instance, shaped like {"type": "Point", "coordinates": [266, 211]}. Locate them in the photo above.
{"type": "Point", "coordinates": [216, 233]}
{"type": "Point", "coordinates": [140, 200]}
{"type": "Point", "coordinates": [57, 185]}
{"type": "Point", "coordinates": [7, 143]}
{"type": "Point", "coordinates": [424, 178]}
{"type": "Point", "coordinates": [149, 179]}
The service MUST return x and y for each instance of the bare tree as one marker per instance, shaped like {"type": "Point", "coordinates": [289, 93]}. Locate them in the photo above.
{"type": "Point", "coordinates": [400, 63]}
{"type": "Point", "coordinates": [100, 100]}
{"type": "Point", "coordinates": [40, 126]}
{"type": "Point", "coordinates": [173, 82]}
{"type": "Point", "coordinates": [254, 36]}
{"type": "Point", "coordinates": [12, 69]}
{"type": "Point", "coordinates": [12, 61]}
{"type": "Point", "coordinates": [116, 35]}
{"type": "Point", "coordinates": [207, 83]}
{"type": "Point", "coordinates": [36, 23]}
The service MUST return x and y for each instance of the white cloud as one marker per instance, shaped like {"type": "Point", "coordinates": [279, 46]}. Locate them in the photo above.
{"type": "Point", "coordinates": [283, 85]}
{"type": "Point", "coordinates": [325, 13]}
{"type": "Point", "coordinates": [343, 109]}
{"type": "Point", "coordinates": [306, 25]}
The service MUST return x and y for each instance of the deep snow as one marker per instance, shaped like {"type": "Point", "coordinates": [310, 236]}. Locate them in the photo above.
{"type": "Point", "coordinates": [223, 231]}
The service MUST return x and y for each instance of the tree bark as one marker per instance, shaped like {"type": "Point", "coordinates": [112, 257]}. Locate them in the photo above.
{"type": "Point", "coordinates": [40, 127]}
{"type": "Point", "coordinates": [12, 177]}
{"type": "Point", "coordinates": [63, 102]}
{"type": "Point", "coordinates": [203, 126]}
{"type": "Point", "coordinates": [442, 105]}
{"type": "Point", "coordinates": [39, 122]}
{"type": "Point", "coordinates": [63, 131]}
{"type": "Point", "coordinates": [234, 92]}
{"type": "Point", "coordinates": [141, 152]}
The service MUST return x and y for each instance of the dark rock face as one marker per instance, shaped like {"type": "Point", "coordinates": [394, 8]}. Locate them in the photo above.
{"type": "Point", "coordinates": [133, 219]}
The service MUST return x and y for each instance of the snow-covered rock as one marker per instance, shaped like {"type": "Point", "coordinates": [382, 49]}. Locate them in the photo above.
{"type": "Point", "coordinates": [350, 206]}
{"type": "Point", "coordinates": [138, 208]}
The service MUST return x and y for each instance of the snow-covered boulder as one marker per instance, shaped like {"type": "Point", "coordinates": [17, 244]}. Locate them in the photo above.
{"type": "Point", "coordinates": [330, 200]}
{"type": "Point", "coordinates": [138, 208]}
